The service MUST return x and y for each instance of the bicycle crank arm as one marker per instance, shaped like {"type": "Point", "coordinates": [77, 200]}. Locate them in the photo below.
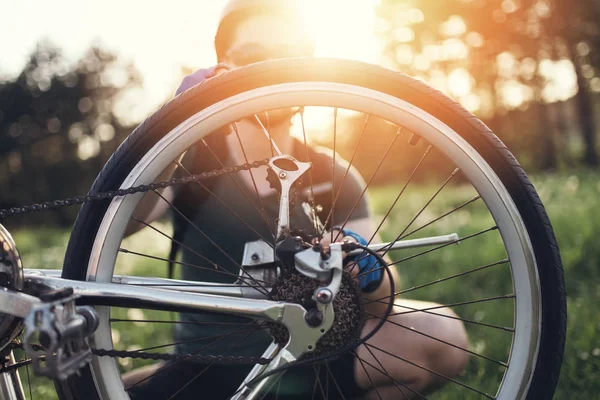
{"type": "Point", "coordinates": [17, 304]}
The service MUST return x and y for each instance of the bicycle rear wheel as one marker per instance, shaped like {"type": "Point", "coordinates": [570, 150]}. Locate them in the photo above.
{"type": "Point", "coordinates": [510, 290]}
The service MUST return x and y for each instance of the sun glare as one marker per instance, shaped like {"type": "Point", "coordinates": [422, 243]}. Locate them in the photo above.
{"type": "Point", "coordinates": [343, 28]}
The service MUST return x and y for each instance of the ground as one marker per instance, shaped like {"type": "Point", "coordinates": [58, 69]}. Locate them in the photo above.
{"type": "Point", "coordinates": [571, 203]}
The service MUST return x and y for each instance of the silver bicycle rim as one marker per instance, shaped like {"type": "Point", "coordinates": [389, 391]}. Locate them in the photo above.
{"type": "Point", "coordinates": [526, 337]}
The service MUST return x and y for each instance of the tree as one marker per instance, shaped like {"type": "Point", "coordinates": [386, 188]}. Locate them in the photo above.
{"type": "Point", "coordinates": [494, 46]}
{"type": "Point", "coordinates": [57, 126]}
{"type": "Point", "coordinates": [574, 27]}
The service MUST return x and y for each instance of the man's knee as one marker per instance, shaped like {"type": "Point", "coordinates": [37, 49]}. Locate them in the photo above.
{"type": "Point", "coordinates": [442, 337]}
{"type": "Point", "coordinates": [421, 341]}
{"type": "Point", "coordinates": [452, 359]}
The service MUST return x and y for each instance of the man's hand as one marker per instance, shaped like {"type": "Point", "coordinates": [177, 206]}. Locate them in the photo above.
{"type": "Point", "coordinates": [380, 296]}
{"type": "Point", "coordinates": [364, 267]}
{"type": "Point", "coordinates": [200, 76]}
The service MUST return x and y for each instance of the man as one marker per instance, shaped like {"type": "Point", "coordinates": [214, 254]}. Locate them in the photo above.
{"type": "Point", "coordinates": [232, 211]}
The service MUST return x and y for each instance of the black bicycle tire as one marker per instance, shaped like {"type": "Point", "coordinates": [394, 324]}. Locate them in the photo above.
{"type": "Point", "coordinates": [475, 132]}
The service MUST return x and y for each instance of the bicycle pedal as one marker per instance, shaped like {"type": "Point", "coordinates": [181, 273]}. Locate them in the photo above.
{"type": "Point", "coordinates": [61, 329]}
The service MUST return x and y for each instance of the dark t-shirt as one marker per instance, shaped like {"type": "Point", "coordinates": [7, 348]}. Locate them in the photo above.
{"type": "Point", "coordinates": [225, 220]}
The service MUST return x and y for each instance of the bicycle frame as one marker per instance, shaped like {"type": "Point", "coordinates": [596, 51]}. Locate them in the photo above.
{"type": "Point", "coordinates": [179, 295]}
{"type": "Point", "coordinates": [206, 297]}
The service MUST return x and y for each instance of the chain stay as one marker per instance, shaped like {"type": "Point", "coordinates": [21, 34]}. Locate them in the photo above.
{"type": "Point", "coordinates": [51, 205]}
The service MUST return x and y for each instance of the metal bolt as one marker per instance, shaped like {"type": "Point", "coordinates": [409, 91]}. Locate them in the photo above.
{"type": "Point", "coordinates": [255, 257]}
{"type": "Point", "coordinates": [282, 175]}
{"type": "Point", "coordinates": [324, 296]}
{"type": "Point", "coordinates": [314, 317]}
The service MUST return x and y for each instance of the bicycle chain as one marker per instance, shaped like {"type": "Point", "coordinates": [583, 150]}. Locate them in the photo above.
{"type": "Point", "coordinates": [221, 360]}
{"type": "Point", "coordinates": [52, 205]}
{"type": "Point", "coordinates": [208, 359]}
{"type": "Point", "coordinates": [69, 201]}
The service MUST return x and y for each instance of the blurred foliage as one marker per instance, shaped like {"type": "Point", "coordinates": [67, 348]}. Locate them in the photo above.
{"type": "Point", "coordinates": [575, 226]}
{"type": "Point", "coordinates": [528, 68]}
{"type": "Point", "coordinates": [57, 127]}
{"type": "Point", "coordinates": [501, 58]}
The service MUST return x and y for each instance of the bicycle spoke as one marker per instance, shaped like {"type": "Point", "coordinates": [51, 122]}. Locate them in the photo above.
{"type": "Point", "coordinates": [481, 268]}
{"type": "Point", "coordinates": [262, 205]}
{"type": "Point", "coordinates": [225, 205]}
{"type": "Point", "coordinates": [461, 303]}
{"type": "Point", "coordinates": [326, 384]}
{"type": "Point", "coordinates": [318, 382]}
{"type": "Point", "coordinates": [388, 248]}
{"type": "Point", "coordinates": [503, 328]}
{"type": "Point", "coordinates": [452, 174]}
{"type": "Point", "coordinates": [310, 176]}
{"type": "Point", "coordinates": [274, 148]}
{"type": "Point", "coordinates": [267, 389]}
{"type": "Point", "coordinates": [28, 379]}
{"type": "Point", "coordinates": [411, 289]}
{"type": "Point", "coordinates": [278, 387]}
{"type": "Point", "coordinates": [168, 367]}
{"type": "Point", "coordinates": [385, 251]}
{"type": "Point", "coordinates": [179, 243]}
{"type": "Point", "coordinates": [207, 367]}
{"type": "Point", "coordinates": [427, 252]}
{"type": "Point", "coordinates": [240, 189]}
{"type": "Point", "coordinates": [334, 381]}
{"type": "Point", "coordinates": [198, 339]}
{"type": "Point", "coordinates": [384, 372]}
{"type": "Point", "coordinates": [262, 290]}
{"type": "Point", "coordinates": [431, 371]}
{"type": "Point", "coordinates": [216, 268]}
{"type": "Point", "coordinates": [493, 228]}
{"type": "Point", "coordinates": [370, 379]}
{"type": "Point", "coordinates": [329, 216]}
{"type": "Point", "coordinates": [389, 148]}
{"type": "Point", "coordinates": [269, 130]}
{"type": "Point", "coordinates": [501, 363]}
{"type": "Point", "coordinates": [410, 177]}
{"type": "Point", "coordinates": [332, 210]}
{"type": "Point", "coordinates": [200, 231]}
{"type": "Point", "coordinates": [441, 216]}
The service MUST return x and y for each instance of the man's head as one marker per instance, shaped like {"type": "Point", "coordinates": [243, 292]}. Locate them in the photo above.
{"type": "Point", "coordinates": [256, 30]}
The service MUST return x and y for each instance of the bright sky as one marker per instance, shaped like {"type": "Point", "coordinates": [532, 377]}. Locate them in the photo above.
{"type": "Point", "coordinates": [161, 37]}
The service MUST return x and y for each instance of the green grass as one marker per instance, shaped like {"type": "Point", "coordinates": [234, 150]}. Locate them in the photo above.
{"type": "Point", "coordinates": [571, 203]}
